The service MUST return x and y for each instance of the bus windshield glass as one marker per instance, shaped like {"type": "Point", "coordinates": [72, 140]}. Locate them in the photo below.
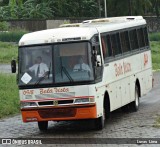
{"type": "Point", "coordinates": [53, 64]}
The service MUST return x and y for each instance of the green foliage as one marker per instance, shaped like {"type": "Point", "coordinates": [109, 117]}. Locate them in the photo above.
{"type": "Point", "coordinates": [155, 48]}
{"type": "Point", "coordinates": [70, 8]}
{"type": "Point", "coordinates": [40, 9]}
{"type": "Point", "coordinates": [9, 99]}
{"type": "Point", "coordinates": [7, 52]}
{"type": "Point", "coordinates": [12, 35]}
{"type": "Point", "coordinates": [121, 7]}
{"type": "Point", "coordinates": [4, 26]}
{"type": "Point", "coordinates": [154, 36]}
{"type": "Point", "coordinates": [30, 9]}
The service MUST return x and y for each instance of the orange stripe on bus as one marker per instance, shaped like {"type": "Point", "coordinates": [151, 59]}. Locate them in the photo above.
{"type": "Point", "coordinates": [80, 113]}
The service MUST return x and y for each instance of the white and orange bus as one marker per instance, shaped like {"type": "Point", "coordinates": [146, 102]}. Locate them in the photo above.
{"type": "Point", "coordinates": [91, 69]}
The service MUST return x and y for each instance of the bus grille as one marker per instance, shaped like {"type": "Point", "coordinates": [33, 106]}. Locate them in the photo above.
{"type": "Point", "coordinates": [61, 102]}
{"type": "Point", "coordinates": [57, 113]}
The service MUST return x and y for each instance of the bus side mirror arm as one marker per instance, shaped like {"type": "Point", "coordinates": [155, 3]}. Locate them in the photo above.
{"type": "Point", "coordinates": [13, 66]}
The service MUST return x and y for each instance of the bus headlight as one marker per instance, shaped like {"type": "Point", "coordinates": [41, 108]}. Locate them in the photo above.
{"type": "Point", "coordinates": [28, 104]}
{"type": "Point", "coordinates": [84, 100]}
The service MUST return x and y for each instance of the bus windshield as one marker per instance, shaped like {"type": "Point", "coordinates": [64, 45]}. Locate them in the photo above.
{"type": "Point", "coordinates": [53, 64]}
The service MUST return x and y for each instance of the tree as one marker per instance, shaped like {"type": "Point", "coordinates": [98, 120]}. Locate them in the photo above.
{"type": "Point", "coordinates": [75, 8]}
{"type": "Point", "coordinates": [139, 6]}
{"type": "Point", "coordinates": [128, 7]}
{"type": "Point", "coordinates": [30, 9]}
{"type": "Point", "coordinates": [40, 9]}
{"type": "Point", "coordinates": [156, 7]}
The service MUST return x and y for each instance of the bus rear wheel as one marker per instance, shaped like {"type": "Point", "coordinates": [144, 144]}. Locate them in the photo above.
{"type": "Point", "coordinates": [43, 125]}
{"type": "Point", "coordinates": [135, 104]}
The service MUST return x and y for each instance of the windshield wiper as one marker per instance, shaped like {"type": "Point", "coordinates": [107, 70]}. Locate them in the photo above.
{"type": "Point", "coordinates": [66, 73]}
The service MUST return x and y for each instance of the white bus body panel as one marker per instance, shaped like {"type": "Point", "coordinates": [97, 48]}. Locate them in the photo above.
{"type": "Point", "coordinates": [119, 76]}
{"type": "Point", "coordinates": [119, 79]}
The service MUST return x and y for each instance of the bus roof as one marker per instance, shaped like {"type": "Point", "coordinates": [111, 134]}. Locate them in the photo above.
{"type": "Point", "coordinates": [81, 31]}
{"type": "Point", "coordinates": [115, 23]}
{"type": "Point", "coordinates": [58, 35]}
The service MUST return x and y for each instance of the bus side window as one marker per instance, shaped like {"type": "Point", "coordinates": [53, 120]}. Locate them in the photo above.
{"type": "Point", "coordinates": [109, 46]}
{"type": "Point", "coordinates": [125, 41]}
{"type": "Point", "coordinates": [133, 39]}
{"type": "Point", "coordinates": [116, 44]}
{"type": "Point", "coordinates": [146, 36]}
{"type": "Point", "coordinates": [104, 48]}
{"type": "Point", "coordinates": [141, 37]}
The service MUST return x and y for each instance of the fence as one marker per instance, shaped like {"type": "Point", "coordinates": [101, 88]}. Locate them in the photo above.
{"type": "Point", "coordinates": [30, 25]}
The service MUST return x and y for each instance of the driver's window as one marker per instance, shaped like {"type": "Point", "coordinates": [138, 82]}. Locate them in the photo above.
{"type": "Point", "coordinates": [96, 53]}
{"type": "Point", "coordinates": [36, 63]}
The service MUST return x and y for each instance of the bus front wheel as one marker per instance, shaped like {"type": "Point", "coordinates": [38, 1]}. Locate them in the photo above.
{"type": "Point", "coordinates": [43, 125]}
{"type": "Point", "coordinates": [99, 123]}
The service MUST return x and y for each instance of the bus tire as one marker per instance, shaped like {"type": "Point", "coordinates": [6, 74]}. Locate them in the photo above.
{"type": "Point", "coordinates": [99, 123]}
{"type": "Point", "coordinates": [106, 106]}
{"type": "Point", "coordinates": [43, 125]}
{"type": "Point", "coordinates": [135, 104]}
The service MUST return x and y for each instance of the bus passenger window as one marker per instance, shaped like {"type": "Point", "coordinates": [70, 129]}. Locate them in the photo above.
{"type": "Point", "coordinates": [104, 48]}
{"type": "Point", "coordinates": [146, 36]}
{"type": "Point", "coordinates": [125, 41]}
{"type": "Point", "coordinates": [133, 39]}
{"type": "Point", "coordinates": [109, 46]}
{"type": "Point", "coordinates": [141, 38]}
{"type": "Point", "coordinates": [116, 44]}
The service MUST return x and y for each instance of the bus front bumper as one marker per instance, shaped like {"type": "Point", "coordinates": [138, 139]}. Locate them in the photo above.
{"type": "Point", "coordinates": [74, 112]}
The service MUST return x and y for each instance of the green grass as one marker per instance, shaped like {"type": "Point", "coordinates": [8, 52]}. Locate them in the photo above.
{"type": "Point", "coordinates": [154, 36]}
{"type": "Point", "coordinates": [155, 48]}
{"type": "Point", "coordinates": [9, 98]}
{"type": "Point", "coordinates": [7, 52]}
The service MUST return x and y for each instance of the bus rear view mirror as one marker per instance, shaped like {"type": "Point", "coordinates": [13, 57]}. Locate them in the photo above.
{"type": "Point", "coordinates": [13, 66]}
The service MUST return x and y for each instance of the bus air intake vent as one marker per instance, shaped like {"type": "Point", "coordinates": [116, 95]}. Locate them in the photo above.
{"type": "Point", "coordinates": [57, 113]}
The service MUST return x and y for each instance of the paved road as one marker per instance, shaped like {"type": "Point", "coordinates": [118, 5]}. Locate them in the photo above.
{"type": "Point", "coordinates": [120, 125]}
{"type": "Point", "coordinates": [5, 68]}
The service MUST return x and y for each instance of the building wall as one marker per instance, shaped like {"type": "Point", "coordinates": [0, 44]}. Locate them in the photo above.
{"type": "Point", "coordinates": [36, 25]}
